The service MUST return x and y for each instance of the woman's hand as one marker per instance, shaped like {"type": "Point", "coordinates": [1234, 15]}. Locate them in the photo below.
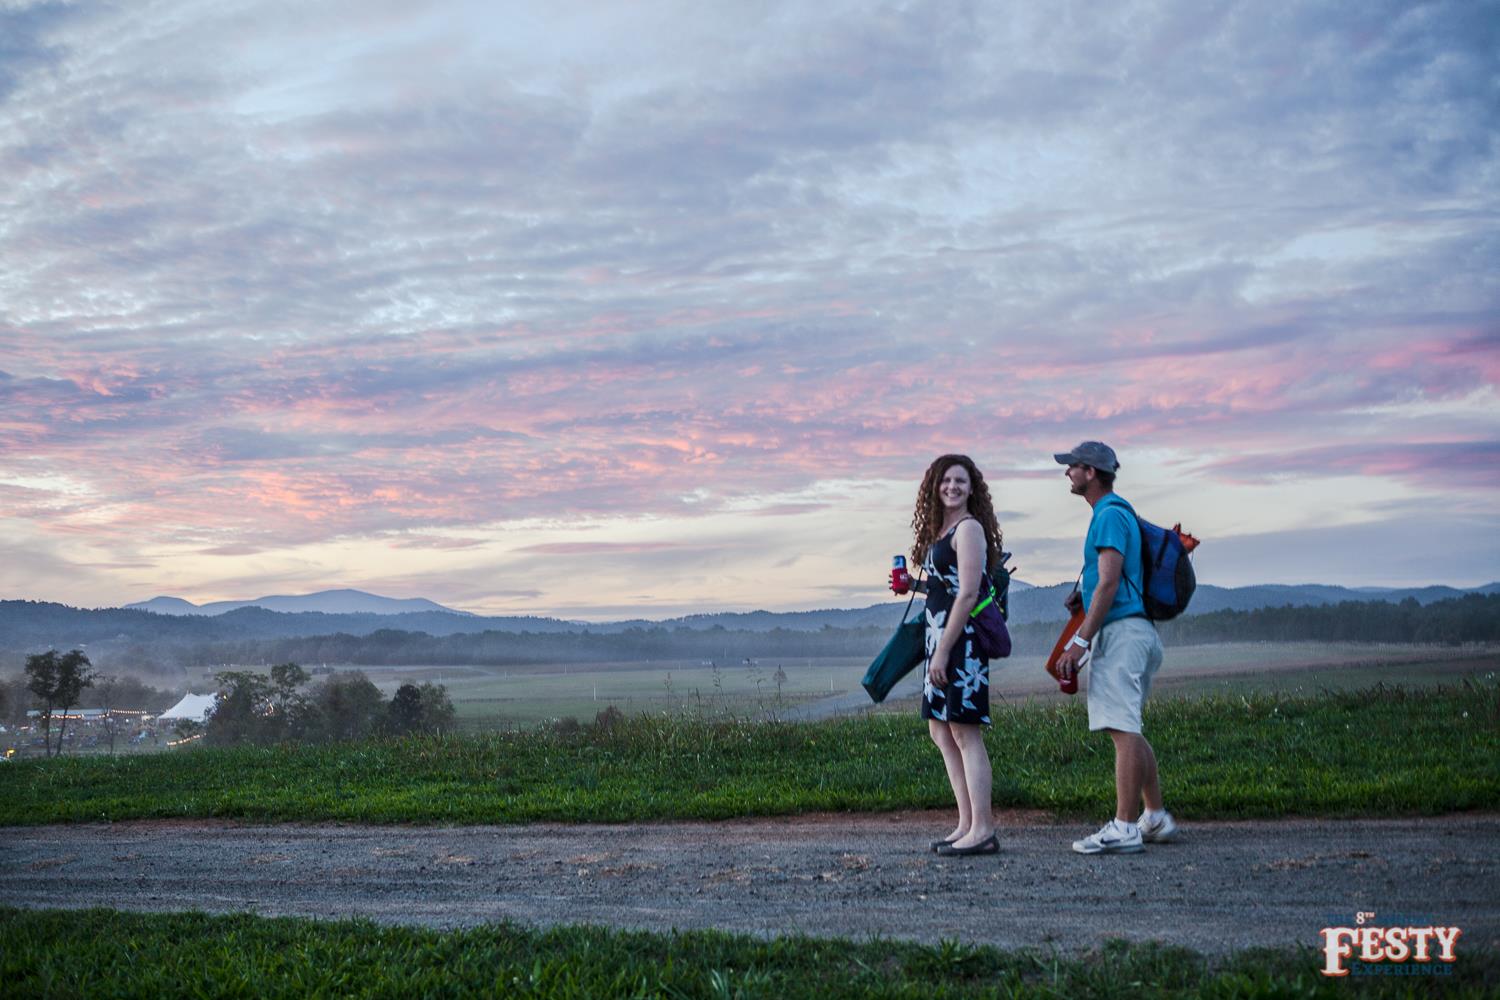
{"type": "Point", "coordinates": [937, 669]}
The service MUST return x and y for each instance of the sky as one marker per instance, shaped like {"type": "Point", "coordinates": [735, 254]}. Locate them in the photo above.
{"type": "Point", "coordinates": [599, 310]}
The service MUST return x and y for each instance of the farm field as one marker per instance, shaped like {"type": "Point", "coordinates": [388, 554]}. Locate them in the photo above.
{"type": "Point", "coordinates": [521, 697]}
{"type": "Point", "coordinates": [524, 695]}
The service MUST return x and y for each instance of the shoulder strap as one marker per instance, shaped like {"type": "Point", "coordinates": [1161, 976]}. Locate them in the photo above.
{"type": "Point", "coordinates": [1115, 499]}
{"type": "Point", "coordinates": [907, 610]}
{"type": "Point", "coordinates": [966, 517]}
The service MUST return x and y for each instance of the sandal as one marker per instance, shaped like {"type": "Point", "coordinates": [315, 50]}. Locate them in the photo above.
{"type": "Point", "coordinates": [990, 845]}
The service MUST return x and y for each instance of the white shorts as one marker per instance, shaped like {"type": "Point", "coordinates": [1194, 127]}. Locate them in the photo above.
{"type": "Point", "coordinates": [1126, 655]}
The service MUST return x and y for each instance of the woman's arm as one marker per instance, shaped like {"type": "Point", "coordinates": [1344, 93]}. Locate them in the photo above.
{"type": "Point", "coordinates": [968, 540]}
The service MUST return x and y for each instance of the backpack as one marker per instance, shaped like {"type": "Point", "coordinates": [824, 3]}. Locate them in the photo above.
{"type": "Point", "coordinates": [1000, 583]}
{"type": "Point", "coordinates": [991, 637]}
{"type": "Point", "coordinates": [1167, 576]}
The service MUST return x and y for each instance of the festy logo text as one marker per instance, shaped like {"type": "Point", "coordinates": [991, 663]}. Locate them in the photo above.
{"type": "Point", "coordinates": [1371, 944]}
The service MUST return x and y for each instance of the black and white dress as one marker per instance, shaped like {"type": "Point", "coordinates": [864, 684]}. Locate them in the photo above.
{"type": "Point", "coordinates": [966, 698]}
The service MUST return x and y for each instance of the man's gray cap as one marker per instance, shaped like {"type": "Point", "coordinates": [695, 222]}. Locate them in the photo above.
{"type": "Point", "coordinates": [1095, 453]}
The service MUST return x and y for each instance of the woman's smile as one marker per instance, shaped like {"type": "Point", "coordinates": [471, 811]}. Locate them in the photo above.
{"type": "Point", "coordinates": [955, 487]}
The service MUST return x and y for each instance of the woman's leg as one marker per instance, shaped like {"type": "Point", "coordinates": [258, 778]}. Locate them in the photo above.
{"type": "Point", "coordinates": [969, 739]}
{"type": "Point", "coordinates": [953, 761]}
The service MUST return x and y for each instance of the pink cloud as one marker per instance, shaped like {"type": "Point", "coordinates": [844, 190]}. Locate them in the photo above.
{"type": "Point", "coordinates": [1471, 464]}
{"type": "Point", "coordinates": [603, 548]}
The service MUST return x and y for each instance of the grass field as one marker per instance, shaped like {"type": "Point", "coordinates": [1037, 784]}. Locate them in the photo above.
{"type": "Point", "coordinates": [1372, 752]}
{"type": "Point", "coordinates": [526, 694]}
{"type": "Point", "coordinates": [105, 953]}
{"type": "Point", "coordinates": [523, 696]}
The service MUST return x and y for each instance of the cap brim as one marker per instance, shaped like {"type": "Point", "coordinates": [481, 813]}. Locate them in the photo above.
{"type": "Point", "coordinates": [1064, 458]}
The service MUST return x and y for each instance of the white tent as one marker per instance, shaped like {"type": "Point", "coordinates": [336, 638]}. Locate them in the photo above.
{"type": "Point", "coordinates": [192, 706]}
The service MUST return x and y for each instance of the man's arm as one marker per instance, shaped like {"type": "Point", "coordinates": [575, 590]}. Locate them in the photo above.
{"type": "Point", "coordinates": [1111, 563]}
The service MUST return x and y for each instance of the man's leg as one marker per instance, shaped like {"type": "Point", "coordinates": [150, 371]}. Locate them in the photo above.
{"type": "Point", "coordinates": [1150, 780]}
{"type": "Point", "coordinates": [953, 762]}
{"type": "Point", "coordinates": [976, 768]}
{"type": "Point", "coordinates": [1136, 778]}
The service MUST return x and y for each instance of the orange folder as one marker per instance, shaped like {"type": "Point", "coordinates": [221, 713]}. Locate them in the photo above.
{"type": "Point", "coordinates": [1062, 640]}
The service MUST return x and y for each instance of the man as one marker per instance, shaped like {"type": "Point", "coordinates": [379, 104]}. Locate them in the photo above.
{"type": "Point", "coordinates": [1123, 650]}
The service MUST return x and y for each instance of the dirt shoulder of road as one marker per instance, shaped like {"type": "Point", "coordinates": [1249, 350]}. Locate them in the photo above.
{"type": "Point", "coordinates": [1222, 886]}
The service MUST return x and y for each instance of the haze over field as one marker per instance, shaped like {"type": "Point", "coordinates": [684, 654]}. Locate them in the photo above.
{"type": "Point", "coordinates": [601, 311]}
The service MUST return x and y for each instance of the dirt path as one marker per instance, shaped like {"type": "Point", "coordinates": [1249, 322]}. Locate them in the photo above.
{"type": "Point", "coordinates": [1223, 886]}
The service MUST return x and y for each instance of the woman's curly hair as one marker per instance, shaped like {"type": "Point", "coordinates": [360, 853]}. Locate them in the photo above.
{"type": "Point", "coordinates": [927, 518]}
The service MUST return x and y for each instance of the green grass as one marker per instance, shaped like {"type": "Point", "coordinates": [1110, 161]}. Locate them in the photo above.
{"type": "Point", "coordinates": [102, 953]}
{"type": "Point", "coordinates": [1379, 751]}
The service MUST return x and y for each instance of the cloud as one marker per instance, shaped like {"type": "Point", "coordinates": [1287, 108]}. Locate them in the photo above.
{"type": "Point", "coordinates": [1455, 551]}
{"type": "Point", "coordinates": [666, 262]}
{"type": "Point", "coordinates": [25, 42]}
{"type": "Point", "coordinates": [599, 548]}
{"type": "Point", "coordinates": [1457, 464]}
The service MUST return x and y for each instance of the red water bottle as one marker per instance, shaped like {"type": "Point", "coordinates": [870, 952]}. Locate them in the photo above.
{"type": "Point", "coordinates": [900, 579]}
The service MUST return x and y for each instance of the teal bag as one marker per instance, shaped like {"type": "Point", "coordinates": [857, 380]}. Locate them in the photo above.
{"type": "Point", "coordinates": [901, 654]}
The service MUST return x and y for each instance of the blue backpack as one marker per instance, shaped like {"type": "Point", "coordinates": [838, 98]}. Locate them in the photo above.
{"type": "Point", "coordinates": [1167, 573]}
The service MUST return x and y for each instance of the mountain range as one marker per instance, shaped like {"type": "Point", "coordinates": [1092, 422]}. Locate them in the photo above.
{"type": "Point", "coordinates": [360, 613]}
{"type": "Point", "coordinates": [328, 602]}
{"type": "Point", "coordinates": [152, 642]}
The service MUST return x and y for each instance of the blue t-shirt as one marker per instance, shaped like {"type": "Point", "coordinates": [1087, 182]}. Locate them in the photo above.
{"type": "Point", "coordinates": [1114, 527]}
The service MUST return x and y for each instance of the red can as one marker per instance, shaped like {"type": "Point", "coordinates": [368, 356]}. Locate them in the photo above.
{"type": "Point", "coordinates": [900, 579]}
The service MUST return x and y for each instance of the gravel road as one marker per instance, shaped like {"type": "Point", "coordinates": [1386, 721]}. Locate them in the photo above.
{"type": "Point", "coordinates": [1223, 886]}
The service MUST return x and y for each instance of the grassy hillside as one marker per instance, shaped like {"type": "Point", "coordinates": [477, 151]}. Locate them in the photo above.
{"type": "Point", "coordinates": [1372, 752]}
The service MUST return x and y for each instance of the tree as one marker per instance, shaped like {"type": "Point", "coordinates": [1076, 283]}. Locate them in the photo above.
{"type": "Point", "coordinates": [288, 705]}
{"type": "Point", "coordinates": [106, 688]}
{"type": "Point", "coordinates": [57, 681]}
{"type": "Point", "coordinates": [437, 709]}
{"type": "Point", "coordinates": [404, 714]}
{"type": "Point", "coordinates": [348, 705]}
{"type": "Point", "coordinates": [425, 709]}
{"type": "Point", "coordinates": [241, 708]}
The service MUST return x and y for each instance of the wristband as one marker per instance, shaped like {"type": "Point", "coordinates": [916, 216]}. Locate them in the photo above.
{"type": "Point", "coordinates": [1076, 641]}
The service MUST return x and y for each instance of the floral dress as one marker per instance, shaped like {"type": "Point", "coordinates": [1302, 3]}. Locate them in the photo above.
{"type": "Point", "coordinates": [966, 698]}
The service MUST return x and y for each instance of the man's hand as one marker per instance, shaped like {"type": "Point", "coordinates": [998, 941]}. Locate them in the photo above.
{"type": "Point", "coordinates": [1069, 661]}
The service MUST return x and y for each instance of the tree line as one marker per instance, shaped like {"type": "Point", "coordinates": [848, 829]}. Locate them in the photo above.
{"type": "Point", "coordinates": [250, 707]}
{"type": "Point", "coordinates": [1472, 618]}
{"type": "Point", "coordinates": [279, 707]}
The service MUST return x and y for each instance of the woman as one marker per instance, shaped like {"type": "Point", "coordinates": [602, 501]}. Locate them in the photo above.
{"type": "Point", "coordinates": [957, 541]}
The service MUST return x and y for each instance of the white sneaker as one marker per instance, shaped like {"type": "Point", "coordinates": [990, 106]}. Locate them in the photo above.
{"type": "Point", "coordinates": [1111, 839]}
{"type": "Point", "coordinates": [1160, 831]}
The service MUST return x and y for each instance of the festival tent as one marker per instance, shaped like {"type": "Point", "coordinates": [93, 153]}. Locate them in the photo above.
{"type": "Point", "coordinates": [192, 706]}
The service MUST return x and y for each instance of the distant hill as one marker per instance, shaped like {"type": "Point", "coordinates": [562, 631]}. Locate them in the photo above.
{"type": "Point", "coordinates": [27, 626]}
{"type": "Point", "coordinates": [1030, 603]}
{"type": "Point", "coordinates": [328, 602]}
